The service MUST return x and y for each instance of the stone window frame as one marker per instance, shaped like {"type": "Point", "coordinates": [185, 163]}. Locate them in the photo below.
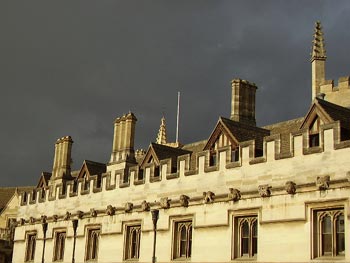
{"type": "Point", "coordinates": [31, 238]}
{"type": "Point", "coordinates": [179, 225]}
{"type": "Point", "coordinates": [60, 236]}
{"type": "Point", "coordinates": [318, 215]}
{"type": "Point", "coordinates": [93, 234]}
{"type": "Point", "coordinates": [252, 219]}
{"type": "Point", "coordinates": [132, 238]}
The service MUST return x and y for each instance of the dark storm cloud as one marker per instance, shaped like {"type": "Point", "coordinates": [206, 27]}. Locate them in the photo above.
{"type": "Point", "coordinates": [71, 67]}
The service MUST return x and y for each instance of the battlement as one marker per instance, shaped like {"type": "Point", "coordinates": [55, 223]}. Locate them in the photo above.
{"type": "Point", "coordinates": [273, 168]}
{"type": "Point", "coordinates": [339, 94]}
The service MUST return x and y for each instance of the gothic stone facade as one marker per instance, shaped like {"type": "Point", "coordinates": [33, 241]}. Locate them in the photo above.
{"type": "Point", "coordinates": [278, 193]}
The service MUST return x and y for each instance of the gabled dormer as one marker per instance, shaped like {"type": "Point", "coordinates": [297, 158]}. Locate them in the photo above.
{"type": "Point", "coordinates": [221, 137]}
{"type": "Point", "coordinates": [150, 157]}
{"type": "Point", "coordinates": [157, 152]}
{"type": "Point", "coordinates": [324, 112]}
{"type": "Point", "coordinates": [44, 180]}
{"type": "Point", "coordinates": [90, 168]}
{"type": "Point", "coordinates": [231, 133]}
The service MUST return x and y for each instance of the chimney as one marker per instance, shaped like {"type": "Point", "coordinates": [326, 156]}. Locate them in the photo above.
{"type": "Point", "coordinates": [123, 140]}
{"type": "Point", "coordinates": [62, 159]}
{"type": "Point", "coordinates": [243, 102]}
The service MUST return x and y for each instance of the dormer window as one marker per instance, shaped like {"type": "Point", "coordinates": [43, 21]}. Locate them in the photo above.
{"type": "Point", "coordinates": [213, 159]}
{"type": "Point", "coordinates": [156, 171]}
{"type": "Point", "coordinates": [235, 155]}
{"type": "Point", "coordinates": [314, 140]}
{"type": "Point", "coordinates": [314, 133]}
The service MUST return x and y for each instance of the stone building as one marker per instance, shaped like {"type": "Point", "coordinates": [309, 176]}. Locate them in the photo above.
{"type": "Point", "coordinates": [278, 193]}
{"type": "Point", "coordinates": [9, 203]}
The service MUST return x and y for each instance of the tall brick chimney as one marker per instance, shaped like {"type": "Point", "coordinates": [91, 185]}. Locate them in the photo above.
{"type": "Point", "coordinates": [243, 101]}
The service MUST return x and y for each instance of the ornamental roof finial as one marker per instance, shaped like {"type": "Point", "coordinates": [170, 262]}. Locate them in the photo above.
{"type": "Point", "coordinates": [161, 138]}
{"type": "Point", "coordinates": [318, 47]}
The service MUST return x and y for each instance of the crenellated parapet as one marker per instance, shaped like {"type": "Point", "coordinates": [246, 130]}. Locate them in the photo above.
{"type": "Point", "coordinates": [337, 94]}
{"type": "Point", "coordinates": [274, 170]}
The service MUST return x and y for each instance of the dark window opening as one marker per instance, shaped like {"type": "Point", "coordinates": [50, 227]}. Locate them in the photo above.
{"type": "Point", "coordinates": [314, 140]}
{"type": "Point", "coordinates": [213, 159]}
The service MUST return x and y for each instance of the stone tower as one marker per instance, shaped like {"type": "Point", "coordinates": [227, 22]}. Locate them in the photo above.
{"type": "Point", "coordinates": [318, 60]}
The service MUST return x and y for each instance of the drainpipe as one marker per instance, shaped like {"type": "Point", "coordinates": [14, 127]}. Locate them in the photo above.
{"type": "Point", "coordinates": [44, 225]}
{"type": "Point", "coordinates": [75, 226]}
{"type": "Point", "coordinates": [155, 216]}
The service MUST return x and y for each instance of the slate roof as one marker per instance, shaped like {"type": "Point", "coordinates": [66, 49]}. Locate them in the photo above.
{"type": "Point", "coordinates": [194, 148]}
{"type": "Point", "coordinates": [165, 152]}
{"type": "Point", "coordinates": [44, 179]}
{"type": "Point", "coordinates": [46, 176]}
{"type": "Point", "coordinates": [336, 112]}
{"type": "Point", "coordinates": [95, 168]}
{"type": "Point", "coordinates": [285, 129]}
{"type": "Point", "coordinates": [243, 132]}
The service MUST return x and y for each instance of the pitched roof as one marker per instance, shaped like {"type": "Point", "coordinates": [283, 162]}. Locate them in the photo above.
{"type": "Point", "coordinates": [194, 148]}
{"type": "Point", "coordinates": [243, 132]}
{"type": "Point", "coordinates": [91, 168]}
{"type": "Point", "coordinates": [44, 180]}
{"type": "Point", "coordinates": [161, 152]}
{"type": "Point", "coordinates": [285, 129]}
{"type": "Point", "coordinates": [336, 112]}
{"type": "Point", "coordinates": [6, 194]}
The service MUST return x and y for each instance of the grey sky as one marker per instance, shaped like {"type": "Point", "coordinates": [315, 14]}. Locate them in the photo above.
{"type": "Point", "coordinates": [72, 67]}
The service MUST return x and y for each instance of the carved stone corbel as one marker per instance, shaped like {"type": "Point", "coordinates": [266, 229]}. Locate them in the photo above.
{"type": "Point", "coordinates": [184, 200]}
{"type": "Point", "coordinates": [208, 197]}
{"type": "Point", "coordinates": [234, 194]}
{"type": "Point", "coordinates": [67, 216]}
{"type": "Point", "coordinates": [55, 218]}
{"type": "Point", "coordinates": [165, 202]}
{"type": "Point", "coordinates": [110, 210]}
{"type": "Point", "coordinates": [31, 220]}
{"type": "Point", "coordinates": [43, 219]}
{"type": "Point", "coordinates": [128, 207]}
{"type": "Point", "coordinates": [145, 206]}
{"type": "Point", "coordinates": [322, 182]}
{"type": "Point", "coordinates": [264, 190]}
{"type": "Point", "coordinates": [80, 214]}
{"type": "Point", "coordinates": [290, 187]}
{"type": "Point", "coordinates": [93, 212]}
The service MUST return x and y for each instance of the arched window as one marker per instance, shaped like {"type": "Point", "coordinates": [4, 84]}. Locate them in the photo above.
{"type": "Point", "coordinates": [92, 244]}
{"type": "Point", "coordinates": [59, 246]}
{"type": "Point", "coordinates": [132, 242]}
{"type": "Point", "coordinates": [329, 230]}
{"type": "Point", "coordinates": [182, 239]}
{"type": "Point", "coordinates": [31, 243]}
{"type": "Point", "coordinates": [246, 237]}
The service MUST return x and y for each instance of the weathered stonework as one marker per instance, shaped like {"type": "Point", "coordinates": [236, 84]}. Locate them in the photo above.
{"type": "Point", "coordinates": [184, 200]}
{"type": "Point", "coordinates": [322, 182]}
{"type": "Point", "coordinates": [290, 187]}
{"type": "Point", "coordinates": [234, 195]}
{"type": "Point", "coordinates": [239, 162]}
{"type": "Point", "coordinates": [264, 190]}
{"type": "Point", "coordinates": [208, 197]}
